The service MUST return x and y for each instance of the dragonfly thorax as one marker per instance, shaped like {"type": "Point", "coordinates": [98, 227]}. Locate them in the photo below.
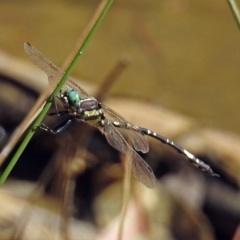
{"type": "Point", "coordinates": [90, 111]}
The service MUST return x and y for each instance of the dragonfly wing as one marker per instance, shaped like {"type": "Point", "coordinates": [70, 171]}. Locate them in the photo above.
{"type": "Point", "coordinates": [73, 84]}
{"type": "Point", "coordinates": [51, 69]}
{"type": "Point", "coordinates": [139, 141]}
{"type": "Point", "coordinates": [141, 170]}
{"type": "Point", "coordinates": [41, 61]}
{"type": "Point", "coordinates": [132, 132]}
{"type": "Point", "coordinates": [114, 137]}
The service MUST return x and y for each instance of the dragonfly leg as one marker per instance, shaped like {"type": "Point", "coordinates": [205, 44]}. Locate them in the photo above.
{"type": "Point", "coordinates": [58, 113]}
{"type": "Point", "coordinates": [58, 129]}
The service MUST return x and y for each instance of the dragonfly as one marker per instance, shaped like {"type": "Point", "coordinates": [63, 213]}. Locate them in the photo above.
{"type": "Point", "coordinates": [79, 105]}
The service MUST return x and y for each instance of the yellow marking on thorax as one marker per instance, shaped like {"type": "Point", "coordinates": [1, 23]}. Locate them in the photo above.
{"type": "Point", "coordinates": [92, 114]}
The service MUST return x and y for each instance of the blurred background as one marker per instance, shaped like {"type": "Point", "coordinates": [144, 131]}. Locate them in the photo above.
{"type": "Point", "coordinates": [183, 82]}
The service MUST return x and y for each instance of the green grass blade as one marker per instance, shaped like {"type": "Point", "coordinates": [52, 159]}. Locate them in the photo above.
{"type": "Point", "coordinates": [48, 104]}
{"type": "Point", "coordinates": [235, 11]}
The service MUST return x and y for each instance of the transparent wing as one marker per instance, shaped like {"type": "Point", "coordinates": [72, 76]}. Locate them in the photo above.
{"type": "Point", "coordinates": [141, 170]}
{"type": "Point", "coordinates": [131, 132]}
{"type": "Point", "coordinates": [51, 69]}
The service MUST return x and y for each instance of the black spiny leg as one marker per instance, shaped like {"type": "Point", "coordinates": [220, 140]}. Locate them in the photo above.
{"type": "Point", "coordinates": [58, 113]}
{"type": "Point", "coordinates": [59, 128]}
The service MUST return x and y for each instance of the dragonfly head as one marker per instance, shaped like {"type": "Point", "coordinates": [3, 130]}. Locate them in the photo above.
{"type": "Point", "coordinates": [71, 98]}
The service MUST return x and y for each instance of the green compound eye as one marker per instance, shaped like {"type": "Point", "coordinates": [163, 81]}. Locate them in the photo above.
{"type": "Point", "coordinates": [73, 97]}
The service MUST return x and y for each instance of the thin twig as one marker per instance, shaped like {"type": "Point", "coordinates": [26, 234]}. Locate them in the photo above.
{"type": "Point", "coordinates": [112, 76]}
{"type": "Point", "coordinates": [126, 196]}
